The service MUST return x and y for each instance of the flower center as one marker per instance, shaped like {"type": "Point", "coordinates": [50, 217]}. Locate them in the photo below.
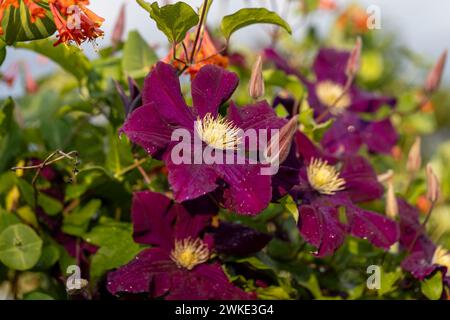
{"type": "Point", "coordinates": [324, 178]}
{"type": "Point", "coordinates": [333, 96]}
{"type": "Point", "coordinates": [218, 132]}
{"type": "Point", "coordinates": [188, 253]}
{"type": "Point", "coordinates": [442, 257]}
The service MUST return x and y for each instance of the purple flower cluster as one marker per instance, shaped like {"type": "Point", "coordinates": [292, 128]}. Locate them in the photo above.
{"type": "Point", "coordinates": [330, 98]}
{"type": "Point", "coordinates": [327, 182]}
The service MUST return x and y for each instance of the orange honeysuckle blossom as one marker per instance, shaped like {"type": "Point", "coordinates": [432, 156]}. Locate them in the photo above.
{"type": "Point", "coordinates": [206, 53]}
{"type": "Point", "coordinates": [354, 18]}
{"type": "Point", "coordinates": [327, 4]}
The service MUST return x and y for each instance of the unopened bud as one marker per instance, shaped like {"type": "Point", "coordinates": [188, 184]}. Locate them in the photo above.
{"type": "Point", "coordinates": [434, 77]}
{"type": "Point", "coordinates": [355, 58]}
{"type": "Point", "coordinates": [119, 27]}
{"type": "Point", "coordinates": [391, 202]}
{"type": "Point", "coordinates": [256, 87]}
{"type": "Point", "coordinates": [283, 140]}
{"type": "Point", "coordinates": [414, 158]}
{"type": "Point", "coordinates": [385, 176]}
{"type": "Point", "coordinates": [433, 185]}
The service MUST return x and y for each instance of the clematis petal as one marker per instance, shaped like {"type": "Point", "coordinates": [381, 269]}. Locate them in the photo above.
{"type": "Point", "coordinates": [162, 89]}
{"type": "Point", "coordinates": [146, 128]}
{"type": "Point", "coordinates": [361, 183]}
{"type": "Point", "coordinates": [256, 116]}
{"type": "Point", "coordinates": [363, 101]}
{"type": "Point", "coordinates": [344, 136]}
{"type": "Point", "coordinates": [239, 240]}
{"type": "Point", "coordinates": [137, 275]}
{"type": "Point", "coordinates": [320, 226]}
{"type": "Point", "coordinates": [211, 87]}
{"type": "Point", "coordinates": [380, 136]}
{"type": "Point", "coordinates": [191, 222]}
{"type": "Point", "coordinates": [190, 181]}
{"type": "Point", "coordinates": [205, 282]}
{"type": "Point", "coordinates": [330, 64]}
{"type": "Point", "coordinates": [376, 228]}
{"type": "Point", "coordinates": [280, 62]}
{"type": "Point", "coordinates": [152, 219]}
{"type": "Point", "coordinates": [419, 265]}
{"type": "Point", "coordinates": [308, 150]}
{"type": "Point", "coordinates": [409, 227]}
{"type": "Point", "coordinates": [287, 175]}
{"type": "Point", "coordinates": [248, 191]}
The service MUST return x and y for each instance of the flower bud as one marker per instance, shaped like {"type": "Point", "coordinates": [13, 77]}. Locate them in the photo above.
{"type": "Point", "coordinates": [433, 185]}
{"type": "Point", "coordinates": [284, 140]}
{"type": "Point", "coordinates": [386, 176]}
{"type": "Point", "coordinates": [119, 27]}
{"type": "Point", "coordinates": [434, 77]}
{"type": "Point", "coordinates": [391, 202]}
{"type": "Point", "coordinates": [256, 87]}
{"type": "Point", "coordinates": [414, 158]}
{"type": "Point", "coordinates": [354, 60]}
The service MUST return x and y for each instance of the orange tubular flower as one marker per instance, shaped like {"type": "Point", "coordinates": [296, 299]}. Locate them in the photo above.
{"type": "Point", "coordinates": [354, 18]}
{"type": "Point", "coordinates": [327, 4]}
{"type": "Point", "coordinates": [206, 53]}
{"type": "Point", "coordinates": [75, 22]}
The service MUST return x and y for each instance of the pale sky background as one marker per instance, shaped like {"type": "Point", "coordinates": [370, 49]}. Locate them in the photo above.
{"type": "Point", "coordinates": [423, 26]}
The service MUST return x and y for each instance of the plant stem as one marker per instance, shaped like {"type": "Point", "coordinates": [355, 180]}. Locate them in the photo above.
{"type": "Point", "coordinates": [422, 227]}
{"type": "Point", "coordinates": [199, 30]}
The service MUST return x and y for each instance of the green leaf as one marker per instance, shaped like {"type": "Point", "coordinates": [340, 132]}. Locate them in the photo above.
{"type": "Point", "coordinates": [116, 246]}
{"type": "Point", "coordinates": [138, 57]}
{"type": "Point", "coordinates": [249, 16]}
{"type": "Point", "coordinates": [17, 24]}
{"type": "Point", "coordinates": [2, 51]}
{"type": "Point", "coordinates": [37, 295]}
{"type": "Point", "coordinates": [7, 219]}
{"type": "Point", "coordinates": [49, 256]}
{"type": "Point", "coordinates": [11, 143]}
{"type": "Point", "coordinates": [174, 20]}
{"type": "Point", "coordinates": [290, 205]}
{"type": "Point", "coordinates": [273, 293]}
{"type": "Point", "coordinates": [432, 287]}
{"type": "Point", "coordinates": [77, 222]}
{"type": "Point", "coordinates": [118, 153]}
{"type": "Point", "coordinates": [70, 58]}
{"type": "Point", "coordinates": [20, 247]}
{"type": "Point", "coordinates": [50, 205]}
{"type": "Point", "coordinates": [388, 281]}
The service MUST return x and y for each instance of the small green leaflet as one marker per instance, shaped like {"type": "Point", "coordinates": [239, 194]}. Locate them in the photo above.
{"type": "Point", "coordinates": [249, 16]}
{"type": "Point", "coordinates": [174, 20]}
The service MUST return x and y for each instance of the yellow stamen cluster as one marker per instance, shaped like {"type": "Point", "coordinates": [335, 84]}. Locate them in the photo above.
{"type": "Point", "coordinates": [218, 132]}
{"type": "Point", "coordinates": [441, 256]}
{"type": "Point", "coordinates": [324, 178]}
{"type": "Point", "coordinates": [189, 253]}
{"type": "Point", "coordinates": [333, 96]}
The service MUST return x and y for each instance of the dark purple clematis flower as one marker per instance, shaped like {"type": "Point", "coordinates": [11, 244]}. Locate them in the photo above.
{"type": "Point", "coordinates": [327, 97]}
{"type": "Point", "coordinates": [239, 240]}
{"type": "Point", "coordinates": [324, 189]}
{"type": "Point", "coordinates": [244, 190]}
{"type": "Point", "coordinates": [424, 257]}
{"type": "Point", "coordinates": [177, 266]}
